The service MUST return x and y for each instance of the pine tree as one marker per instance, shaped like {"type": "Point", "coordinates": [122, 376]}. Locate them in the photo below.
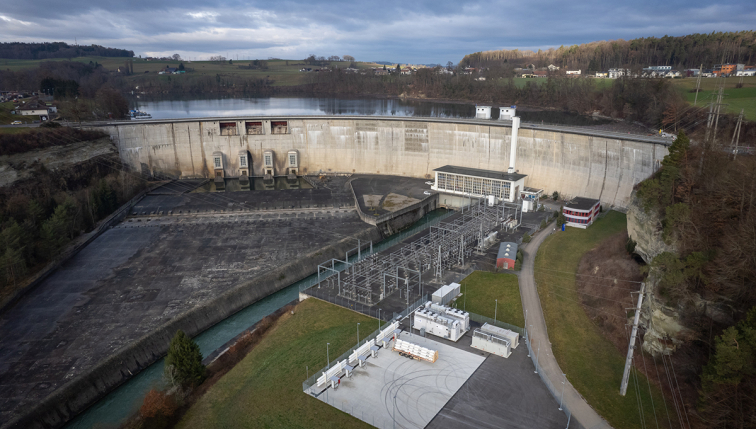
{"type": "Point", "coordinates": [184, 361]}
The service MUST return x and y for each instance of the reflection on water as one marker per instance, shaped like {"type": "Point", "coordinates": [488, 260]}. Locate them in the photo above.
{"type": "Point", "coordinates": [254, 184]}
{"type": "Point", "coordinates": [295, 106]}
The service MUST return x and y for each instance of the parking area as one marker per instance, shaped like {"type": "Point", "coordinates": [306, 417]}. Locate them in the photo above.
{"type": "Point", "coordinates": [392, 391]}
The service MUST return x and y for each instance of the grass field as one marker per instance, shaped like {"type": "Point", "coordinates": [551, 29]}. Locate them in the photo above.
{"type": "Point", "coordinates": [283, 72]}
{"type": "Point", "coordinates": [481, 289]}
{"type": "Point", "coordinates": [736, 98]}
{"type": "Point", "coordinates": [593, 365]}
{"type": "Point", "coordinates": [14, 130]}
{"type": "Point", "coordinates": [265, 389]}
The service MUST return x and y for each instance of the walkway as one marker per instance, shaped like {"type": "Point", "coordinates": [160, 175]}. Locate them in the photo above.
{"type": "Point", "coordinates": [581, 411]}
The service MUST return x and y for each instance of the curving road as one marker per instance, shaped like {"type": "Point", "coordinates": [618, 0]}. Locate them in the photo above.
{"type": "Point", "coordinates": [581, 411]}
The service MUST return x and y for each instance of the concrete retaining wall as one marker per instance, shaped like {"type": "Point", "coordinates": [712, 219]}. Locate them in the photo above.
{"type": "Point", "coordinates": [391, 223]}
{"type": "Point", "coordinates": [85, 390]}
{"type": "Point", "coordinates": [573, 162]}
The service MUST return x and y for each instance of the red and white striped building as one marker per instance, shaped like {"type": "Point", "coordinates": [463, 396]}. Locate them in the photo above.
{"type": "Point", "coordinates": [581, 212]}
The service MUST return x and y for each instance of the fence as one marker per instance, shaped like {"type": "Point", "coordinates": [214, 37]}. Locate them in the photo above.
{"type": "Point", "coordinates": [556, 392]}
{"type": "Point", "coordinates": [483, 319]}
{"type": "Point", "coordinates": [311, 381]}
{"type": "Point", "coordinates": [379, 247]}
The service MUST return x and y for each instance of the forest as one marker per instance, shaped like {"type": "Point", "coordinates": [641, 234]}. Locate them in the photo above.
{"type": "Point", "coordinates": [50, 50]}
{"type": "Point", "coordinates": [39, 216]}
{"type": "Point", "coordinates": [82, 91]}
{"type": "Point", "coordinates": [706, 198]}
{"type": "Point", "coordinates": [682, 52]}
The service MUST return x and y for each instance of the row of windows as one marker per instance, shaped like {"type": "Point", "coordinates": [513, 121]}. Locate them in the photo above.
{"type": "Point", "coordinates": [254, 128]}
{"type": "Point", "coordinates": [583, 221]}
{"type": "Point", "coordinates": [574, 213]}
{"type": "Point", "coordinates": [473, 185]}
{"type": "Point", "coordinates": [268, 161]}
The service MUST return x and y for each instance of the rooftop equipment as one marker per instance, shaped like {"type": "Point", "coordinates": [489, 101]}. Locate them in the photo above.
{"type": "Point", "coordinates": [442, 321]}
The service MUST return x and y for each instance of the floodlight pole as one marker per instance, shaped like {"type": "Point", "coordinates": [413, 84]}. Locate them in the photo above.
{"type": "Point", "coordinates": [328, 356]}
{"type": "Point", "coordinates": [561, 400]}
{"type": "Point", "coordinates": [358, 333]}
{"type": "Point", "coordinates": [496, 308]}
{"type": "Point", "coordinates": [379, 319]}
{"type": "Point", "coordinates": [537, 353]}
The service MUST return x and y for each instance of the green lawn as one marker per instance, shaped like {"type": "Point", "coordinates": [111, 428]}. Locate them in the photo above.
{"type": "Point", "coordinates": [265, 389]}
{"type": "Point", "coordinates": [736, 98]}
{"type": "Point", "coordinates": [481, 289]}
{"type": "Point", "coordinates": [283, 72]}
{"type": "Point", "coordinates": [593, 365]}
{"type": "Point", "coordinates": [14, 130]}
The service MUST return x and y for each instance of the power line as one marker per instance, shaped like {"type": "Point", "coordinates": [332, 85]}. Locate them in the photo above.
{"type": "Point", "coordinates": [588, 275]}
{"type": "Point", "coordinates": [661, 387]}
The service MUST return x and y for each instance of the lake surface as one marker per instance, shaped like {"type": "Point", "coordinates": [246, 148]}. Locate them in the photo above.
{"type": "Point", "coordinates": [176, 108]}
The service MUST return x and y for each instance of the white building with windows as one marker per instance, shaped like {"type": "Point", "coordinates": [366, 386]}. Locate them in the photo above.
{"type": "Point", "coordinates": [482, 112]}
{"type": "Point", "coordinates": [618, 73]}
{"type": "Point", "coordinates": [477, 183]}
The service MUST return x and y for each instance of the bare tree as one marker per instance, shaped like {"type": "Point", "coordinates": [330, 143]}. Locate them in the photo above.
{"type": "Point", "coordinates": [348, 58]}
{"type": "Point", "coordinates": [176, 57]}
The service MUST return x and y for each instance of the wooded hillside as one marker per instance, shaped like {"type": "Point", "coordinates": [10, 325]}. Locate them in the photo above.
{"type": "Point", "coordinates": [48, 50]}
{"type": "Point", "coordinates": [679, 52]}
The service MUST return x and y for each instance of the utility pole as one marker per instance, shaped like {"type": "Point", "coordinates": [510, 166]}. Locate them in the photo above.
{"type": "Point", "coordinates": [631, 347]}
{"type": "Point", "coordinates": [698, 84]}
{"type": "Point", "coordinates": [736, 134]}
{"type": "Point", "coordinates": [719, 108]}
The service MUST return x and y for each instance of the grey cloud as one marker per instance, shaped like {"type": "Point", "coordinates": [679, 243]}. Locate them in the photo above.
{"type": "Point", "coordinates": [423, 31]}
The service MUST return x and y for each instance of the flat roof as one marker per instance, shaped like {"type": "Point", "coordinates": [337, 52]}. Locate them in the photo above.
{"type": "Point", "coordinates": [580, 203]}
{"type": "Point", "coordinates": [488, 174]}
{"type": "Point", "coordinates": [511, 250]}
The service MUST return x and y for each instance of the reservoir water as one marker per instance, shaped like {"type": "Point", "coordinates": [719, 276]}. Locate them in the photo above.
{"type": "Point", "coordinates": [175, 108]}
{"type": "Point", "coordinates": [111, 411]}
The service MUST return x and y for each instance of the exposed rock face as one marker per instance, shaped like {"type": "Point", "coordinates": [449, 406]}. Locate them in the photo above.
{"type": "Point", "coordinates": [646, 230]}
{"type": "Point", "coordinates": [21, 166]}
{"type": "Point", "coordinates": [664, 333]}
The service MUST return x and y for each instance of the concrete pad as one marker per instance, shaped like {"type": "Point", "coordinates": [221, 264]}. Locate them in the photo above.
{"type": "Point", "coordinates": [394, 202]}
{"type": "Point", "coordinates": [393, 389]}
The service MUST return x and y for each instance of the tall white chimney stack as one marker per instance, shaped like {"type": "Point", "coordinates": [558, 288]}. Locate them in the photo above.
{"type": "Point", "coordinates": [513, 144]}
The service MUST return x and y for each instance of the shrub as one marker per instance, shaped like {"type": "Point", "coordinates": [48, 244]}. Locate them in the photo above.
{"type": "Point", "coordinates": [39, 138]}
{"type": "Point", "coordinates": [543, 224]}
{"type": "Point", "coordinates": [526, 238]}
{"type": "Point", "coordinates": [555, 195]}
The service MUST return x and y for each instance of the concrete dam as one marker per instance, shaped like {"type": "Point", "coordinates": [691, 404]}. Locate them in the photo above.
{"type": "Point", "coordinates": [571, 161]}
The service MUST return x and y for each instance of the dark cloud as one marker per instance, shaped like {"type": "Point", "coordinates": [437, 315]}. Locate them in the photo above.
{"type": "Point", "coordinates": [420, 31]}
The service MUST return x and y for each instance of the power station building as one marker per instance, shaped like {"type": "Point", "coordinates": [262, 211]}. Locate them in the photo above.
{"type": "Point", "coordinates": [477, 183]}
{"type": "Point", "coordinates": [581, 212]}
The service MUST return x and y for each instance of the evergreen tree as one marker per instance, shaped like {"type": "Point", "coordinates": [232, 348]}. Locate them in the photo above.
{"type": "Point", "coordinates": [59, 228]}
{"type": "Point", "coordinates": [728, 381]}
{"type": "Point", "coordinates": [184, 361]}
{"type": "Point", "coordinates": [561, 220]}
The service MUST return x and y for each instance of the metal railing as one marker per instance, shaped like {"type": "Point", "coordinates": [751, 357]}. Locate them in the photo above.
{"type": "Point", "coordinates": [483, 319]}
{"type": "Point", "coordinates": [377, 248]}
{"type": "Point", "coordinates": [556, 391]}
{"type": "Point", "coordinates": [313, 378]}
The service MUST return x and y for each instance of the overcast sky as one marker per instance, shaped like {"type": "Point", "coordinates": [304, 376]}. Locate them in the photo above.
{"type": "Point", "coordinates": [407, 31]}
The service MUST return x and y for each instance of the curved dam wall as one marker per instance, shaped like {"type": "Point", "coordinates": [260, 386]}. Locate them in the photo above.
{"type": "Point", "coordinates": [571, 161]}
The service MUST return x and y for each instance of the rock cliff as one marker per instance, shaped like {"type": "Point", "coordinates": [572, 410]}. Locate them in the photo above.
{"type": "Point", "coordinates": [664, 332]}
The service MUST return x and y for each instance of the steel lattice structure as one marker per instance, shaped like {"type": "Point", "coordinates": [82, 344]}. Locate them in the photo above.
{"type": "Point", "coordinates": [449, 244]}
